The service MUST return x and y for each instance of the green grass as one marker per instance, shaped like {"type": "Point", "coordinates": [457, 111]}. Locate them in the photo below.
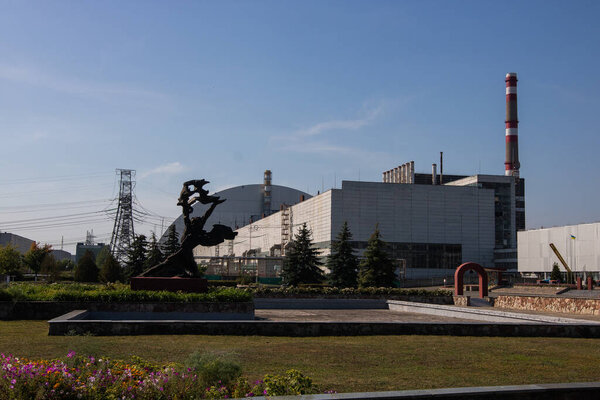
{"type": "Point", "coordinates": [368, 363]}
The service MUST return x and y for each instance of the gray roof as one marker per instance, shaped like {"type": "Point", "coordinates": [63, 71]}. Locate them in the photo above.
{"type": "Point", "coordinates": [242, 203]}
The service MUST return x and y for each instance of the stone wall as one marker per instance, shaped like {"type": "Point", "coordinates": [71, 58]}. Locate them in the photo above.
{"type": "Point", "coordinates": [552, 304]}
{"type": "Point", "coordinates": [462, 301]}
{"type": "Point", "coordinates": [324, 328]}
{"type": "Point", "coordinates": [52, 309]}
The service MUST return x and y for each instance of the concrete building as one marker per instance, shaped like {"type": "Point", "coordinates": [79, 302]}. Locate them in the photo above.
{"type": "Point", "coordinates": [579, 245]}
{"type": "Point", "coordinates": [83, 247]}
{"type": "Point", "coordinates": [432, 228]}
{"type": "Point", "coordinates": [22, 244]}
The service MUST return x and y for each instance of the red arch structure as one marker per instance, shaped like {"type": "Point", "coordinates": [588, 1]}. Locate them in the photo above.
{"type": "Point", "coordinates": [458, 278]}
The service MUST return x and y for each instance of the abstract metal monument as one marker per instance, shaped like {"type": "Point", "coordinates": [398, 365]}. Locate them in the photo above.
{"type": "Point", "coordinates": [182, 262]}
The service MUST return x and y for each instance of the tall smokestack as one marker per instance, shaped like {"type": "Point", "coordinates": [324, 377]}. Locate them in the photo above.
{"type": "Point", "coordinates": [267, 193]}
{"type": "Point", "coordinates": [511, 165]}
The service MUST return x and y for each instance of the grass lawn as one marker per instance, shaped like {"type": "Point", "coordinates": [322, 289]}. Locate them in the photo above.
{"type": "Point", "coordinates": [368, 363]}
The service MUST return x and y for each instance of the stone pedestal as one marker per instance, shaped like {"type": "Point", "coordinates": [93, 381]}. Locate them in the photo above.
{"type": "Point", "coordinates": [190, 285]}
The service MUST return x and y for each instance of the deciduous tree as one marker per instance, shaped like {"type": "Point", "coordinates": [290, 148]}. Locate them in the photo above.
{"type": "Point", "coordinates": [11, 261]}
{"type": "Point", "coordinates": [50, 268]}
{"type": "Point", "coordinates": [35, 256]}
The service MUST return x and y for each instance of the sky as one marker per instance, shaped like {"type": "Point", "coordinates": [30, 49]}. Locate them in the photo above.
{"type": "Point", "coordinates": [316, 91]}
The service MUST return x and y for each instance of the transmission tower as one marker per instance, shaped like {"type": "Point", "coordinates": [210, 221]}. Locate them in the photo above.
{"type": "Point", "coordinates": [122, 234]}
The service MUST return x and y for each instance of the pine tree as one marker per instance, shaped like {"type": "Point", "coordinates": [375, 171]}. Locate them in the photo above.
{"type": "Point", "coordinates": [342, 262]}
{"type": "Point", "coordinates": [136, 256]}
{"type": "Point", "coordinates": [110, 270]}
{"type": "Point", "coordinates": [171, 244]}
{"type": "Point", "coordinates": [86, 269]}
{"type": "Point", "coordinates": [376, 270]}
{"type": "Point", "coordinates": [301, 263]}
{"type": "Point", "coordinates": [555, 275]}
{"type": "Point", "coordinates": [155, 256]}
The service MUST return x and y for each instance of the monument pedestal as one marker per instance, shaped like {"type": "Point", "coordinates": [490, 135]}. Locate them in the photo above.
{"type": "Point", "coordinates": [175, 284]}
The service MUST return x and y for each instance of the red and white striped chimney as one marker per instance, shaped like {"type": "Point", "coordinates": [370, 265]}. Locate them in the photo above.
{"type": "Point", "coordinates": [511, 165]}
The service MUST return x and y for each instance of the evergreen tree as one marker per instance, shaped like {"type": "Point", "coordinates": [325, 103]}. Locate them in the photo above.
{"type": "Point", "coordinates": [86, 269]}
{"type": "Point", "coordinates": [301, 263]}
{"type": "Point", "coordinates": [555, 275]}
{"type": "Point", "coordinates": [110, 270]}
{"type": "Point", "coordinates": [102, 256]}
{"type": "Point", "coordinates": [155, 256]}
{"type": "Point", "coordinates": [35, 255]}
{"type": "Point", "coordinates": [171, 244]}
{"type": "Point", "coordinates": [136, 256]}
{"type": "Point", "coordinates": [342, 262]}
{"type": "Point", "coordinates": [376, 270]}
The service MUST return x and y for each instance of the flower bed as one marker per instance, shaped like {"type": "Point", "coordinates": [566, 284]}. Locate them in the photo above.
{"type": "Point", "coordinates": [76, 377]}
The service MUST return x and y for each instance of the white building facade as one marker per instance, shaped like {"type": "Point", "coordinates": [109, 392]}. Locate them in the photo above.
{"type": "Point", "coordinates": [433, 228]}
{"type": "Point", "coordinates": [579, 246]}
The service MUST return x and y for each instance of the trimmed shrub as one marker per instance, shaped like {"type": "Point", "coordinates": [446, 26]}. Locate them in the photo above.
{"type": "Point", "coordinates": [214, 368]}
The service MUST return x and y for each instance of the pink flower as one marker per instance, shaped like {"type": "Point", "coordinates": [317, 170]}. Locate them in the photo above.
{"type": "Point", "coordinates": [71, 354]}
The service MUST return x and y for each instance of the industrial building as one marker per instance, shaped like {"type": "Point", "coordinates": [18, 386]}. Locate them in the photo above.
{"type": "Point", "coordinates": [20, 243]}
{"type": "Point", "coordinates": [431, 222]}
{"type": "Point", "coordinates": [579, 246]}
{"type": "Point", "coordinates": [432, 228]}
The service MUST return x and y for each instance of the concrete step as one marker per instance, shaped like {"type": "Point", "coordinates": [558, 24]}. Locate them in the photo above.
{"type": "Point", "coordinates": [479, 302]}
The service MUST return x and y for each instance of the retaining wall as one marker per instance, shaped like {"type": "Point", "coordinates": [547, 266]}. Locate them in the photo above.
{"type": "Point", "coordinates": [553, 391]}
{"type": "Point", "coordinates": [52, 309]}
{"type": "Point", "coordinates": [552, 304]}
{"type": "Point", "coordinates": [69, 324]}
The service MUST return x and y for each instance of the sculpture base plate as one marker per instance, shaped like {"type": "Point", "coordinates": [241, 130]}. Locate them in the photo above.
{"type": "Point", "coordinates": [171, 284]}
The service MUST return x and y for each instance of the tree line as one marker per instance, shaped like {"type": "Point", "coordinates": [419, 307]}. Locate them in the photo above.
{"type": "Point", "coordinates": [142, 254]}
{"type": "Point", "coordinates": [301, 265]}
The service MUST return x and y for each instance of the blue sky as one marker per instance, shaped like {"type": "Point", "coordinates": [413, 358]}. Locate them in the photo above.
{"type": "Point", "coordinates": [313, 90]}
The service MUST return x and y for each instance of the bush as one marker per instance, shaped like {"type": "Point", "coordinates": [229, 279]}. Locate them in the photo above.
{"type": "Point", "coordinates": [292, 383]}
{"type": "Point", "coordinates": [115, 293]}
{"type": "Point", "coordinates": [214, 368]}
{"type": "Point", "coordinates": [346, 293]}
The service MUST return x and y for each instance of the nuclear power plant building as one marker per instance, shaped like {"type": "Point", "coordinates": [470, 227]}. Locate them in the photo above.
{"type": "Point", "coordinates": [434, 228]}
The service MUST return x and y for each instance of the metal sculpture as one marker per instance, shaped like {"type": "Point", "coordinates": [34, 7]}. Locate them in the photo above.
{"type": "Point", "coordinates": [182, 262]}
